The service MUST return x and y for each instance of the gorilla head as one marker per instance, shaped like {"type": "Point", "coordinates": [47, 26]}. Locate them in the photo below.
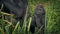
{"type": "Point", "coordinates": [39, 10]}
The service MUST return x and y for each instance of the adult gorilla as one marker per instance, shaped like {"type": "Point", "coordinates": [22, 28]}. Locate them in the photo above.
{"type": "Point", "coordinates": [18, 8]}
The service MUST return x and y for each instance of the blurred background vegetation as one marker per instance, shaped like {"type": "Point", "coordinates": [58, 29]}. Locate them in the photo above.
{"type": "Point", "coordinates": [52, 18]}
{"type": "Point", "coordinates": [52, 8]}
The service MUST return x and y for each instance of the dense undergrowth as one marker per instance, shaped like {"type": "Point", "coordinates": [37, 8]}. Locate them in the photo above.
{"type": "Point", "coordinates": [7, 27]}
{"type": "Point", "coordinates": [52, 16]}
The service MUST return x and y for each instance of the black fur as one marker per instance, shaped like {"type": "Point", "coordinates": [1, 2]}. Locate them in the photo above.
{"type": "Point", "coordinates": [18, 8]}
{"type": "Point", "coordinates": [38, 19]}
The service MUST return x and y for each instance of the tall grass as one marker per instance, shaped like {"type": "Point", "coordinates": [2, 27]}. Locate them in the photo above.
{"type": "Point", "coordinates": [7, 27]}
{"type": "Point", "coordinates": [52, 14]}
{"type": "Point", "coordinates": [52, 24]}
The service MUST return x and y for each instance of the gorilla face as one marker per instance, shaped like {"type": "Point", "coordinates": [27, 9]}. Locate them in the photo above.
{"type": "Point", "coordinates": [39, 10]}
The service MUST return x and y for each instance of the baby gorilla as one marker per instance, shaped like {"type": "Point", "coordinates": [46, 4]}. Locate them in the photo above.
{"type": "Point", "coordinates": [38, 19]}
